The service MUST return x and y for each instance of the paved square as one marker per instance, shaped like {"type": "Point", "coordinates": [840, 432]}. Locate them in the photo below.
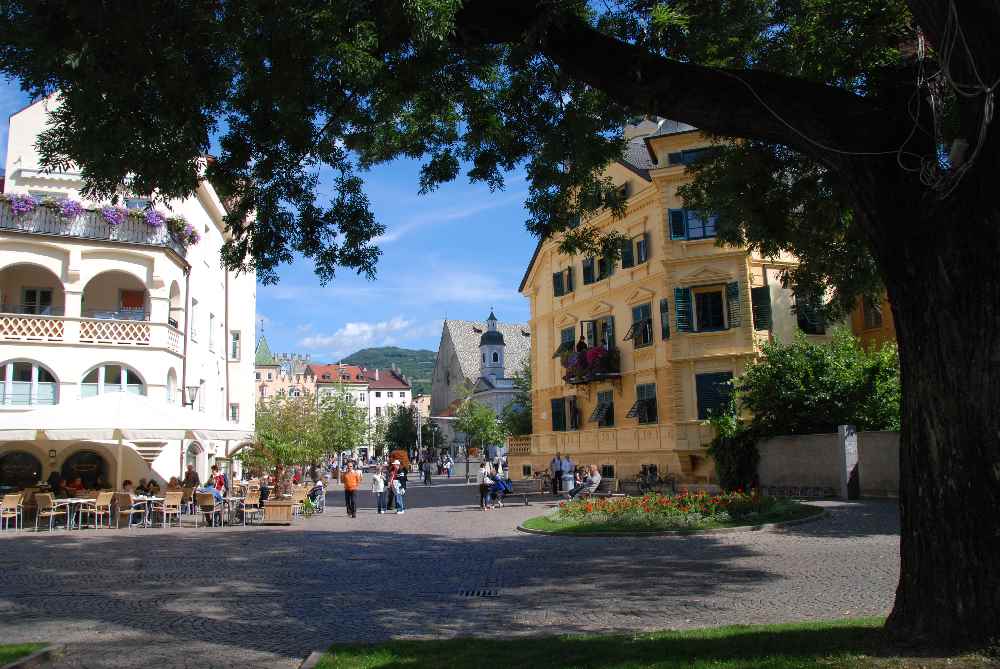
{"type": "Point", "coordinates": [240, 597]}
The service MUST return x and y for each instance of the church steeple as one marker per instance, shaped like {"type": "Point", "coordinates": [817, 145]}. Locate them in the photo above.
{"type": "Point", "coordinates": [491, 350]}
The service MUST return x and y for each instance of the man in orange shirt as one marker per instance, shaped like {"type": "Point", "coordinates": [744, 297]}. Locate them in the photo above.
{"type": "Point", "coordinates": [352, 480]}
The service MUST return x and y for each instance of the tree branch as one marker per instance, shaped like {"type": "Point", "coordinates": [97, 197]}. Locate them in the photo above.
{"type": "Point", "coordinates": [810, 117]}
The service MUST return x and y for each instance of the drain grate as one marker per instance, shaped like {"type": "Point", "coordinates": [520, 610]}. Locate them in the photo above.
{"type": "Point", "coordinates": [483, 592]}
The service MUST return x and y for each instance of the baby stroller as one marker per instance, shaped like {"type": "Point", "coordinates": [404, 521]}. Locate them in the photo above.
{"type": "Point", "coordinates": [501, 488]}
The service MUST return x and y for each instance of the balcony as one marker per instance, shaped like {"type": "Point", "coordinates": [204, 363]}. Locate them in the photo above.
{"type": "Point", "coordinates": [88, 225]}
{"type": "Point", "coordinates": [591, 366]}
{"type": "Point", "coordinates": [519, 445]}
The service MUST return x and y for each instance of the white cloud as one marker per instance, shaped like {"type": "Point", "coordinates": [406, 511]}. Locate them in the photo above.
{"type": "Point", "coordinates": [357, 335]}
{"type": "Point", "coordinates": [491, 201]}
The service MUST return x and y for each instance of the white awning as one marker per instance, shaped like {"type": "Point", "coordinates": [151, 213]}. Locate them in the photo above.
{"type": "Point", "coordinates": [114, 416]}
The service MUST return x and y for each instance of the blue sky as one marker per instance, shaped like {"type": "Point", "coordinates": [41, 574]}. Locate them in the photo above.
{"type": "Point", "coordinates": [454, 253]}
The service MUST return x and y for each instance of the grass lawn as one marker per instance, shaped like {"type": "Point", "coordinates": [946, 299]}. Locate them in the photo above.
{"type": "Point", "coordinates": [549, 523]}
{"type": "Point", "coordinates": [11, 652]}
{"type": "Point", "coordinates": [842, 644]}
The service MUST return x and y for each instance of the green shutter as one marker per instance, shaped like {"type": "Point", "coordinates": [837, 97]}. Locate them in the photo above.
{"type": "Point", "coordinates": [678, 227]}
{"type": "Point", "coordinates": [761, 299]}
{"type": "Point", "coordinates": [644, 248]}
{"type": "Point", "coordinates": [559, 415]}
{"type": "Point", "coordinates": [628, 258]}
{"type": "Point", "coordinates": [588, 271]}
{"type": "Point", "coordinates": [682, 309]}
{"type": "Point", "coordinates": [569, 279]}
{"type": "Point", "coordinates": [665, 318]}
{"type": "Point", "coordinates": [733, 305]}
{"type": "Point", "coordinates": [557, 284]}
{"type": "Point", "coordinates": [713, 392]}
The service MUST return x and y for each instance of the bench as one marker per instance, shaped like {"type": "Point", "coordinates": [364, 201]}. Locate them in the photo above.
{"type": "Point", "coordinates": [606, 488]}
{"type": "Point", "coordinates": [524, 487]}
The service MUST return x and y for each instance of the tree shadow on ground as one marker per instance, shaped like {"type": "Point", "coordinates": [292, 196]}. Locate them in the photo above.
{"type": "Point", "coordinates": [851, 520]}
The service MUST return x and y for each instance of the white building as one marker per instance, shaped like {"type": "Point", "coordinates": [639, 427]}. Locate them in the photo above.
{"type": "Point", "coordinates": [88, 307]}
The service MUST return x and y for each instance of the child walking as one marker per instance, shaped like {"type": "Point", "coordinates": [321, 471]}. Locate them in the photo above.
{"type": "Point", "coordinates": [378, 487]}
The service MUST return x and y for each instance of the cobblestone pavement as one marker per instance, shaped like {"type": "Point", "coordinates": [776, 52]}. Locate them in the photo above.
{"type": "Point", "coordinates": [242, 597]}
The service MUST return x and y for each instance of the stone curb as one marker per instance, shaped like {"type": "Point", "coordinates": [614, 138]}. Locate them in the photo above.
{"type": "Point", "coordinates": [823, 513]}
{"type": "Point", "coordinates": [311, 661]}
{"type": "Point", "coordinates": [39, 658]}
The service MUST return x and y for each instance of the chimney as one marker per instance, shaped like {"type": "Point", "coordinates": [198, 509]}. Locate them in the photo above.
{"type": "Point", "coordinates": [376, 374]}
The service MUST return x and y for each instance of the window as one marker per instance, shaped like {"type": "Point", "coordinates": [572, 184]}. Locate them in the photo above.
{"type": "Point", "coordinates": [496, 357]}
{"type": "Point", "coordinates": [641, 332]}
{"type": "Point", "coordinates": [605, 267]}
{"type": "Point", "coordinates": [211, 332]}
{"type": "Point", "coordinates": [689, 156]}
{"type": "Point", "coordinates": [378, 411]}
{"type": "Point", "coordinates": [760, 299]}
{"type": "Point", "coordinates": [257, 375]}
{"type": "Point", "coordinates": [36, 301]}
{"type": "Point", "coordinates": [713, 391]}
{"type": "Point", "coordinates": [809, 315]}
{"type": "Point", "coordinates": [562, 282]}
{"type": "Point", "coordinates": [559, 414]}
{"type": "Point", "coordinates": [604, 412]}
{"type": "Point", "coordinates": [708, 308]}
{"type": "Point", "coordinates": [194, 319]}
{"type": "Point", "coordinates": [635, 251]}
{"type": "Point", "coordinates": [526, 471]}
{"type": "Point", "coordinates": [872, 313]}
{"type": "Point", "coordinates": [27, 383]}
{"type": "Point", "coordinates": [112, 379]}
{"type": "Point", "coordinates": [378, 394]}
{"type": "Point", "coordinates": [234, 345]}
{"type": "Point", "coordinates": [389, 394]}
{"type": "Point", "coordinates": [588, 271]}
{"type": "Point", "coordinates": [600, 331]}
{"type": "Point", "coordinates": [644, 408]}
{"type": "Point", "coordinates": [234, 413]}
{"type": "Point", "coordinates": [402, 394]}
{"type": "Point", "coordinates": [573, 412]}
{"type": "Point", "coordinates": [691, 224]}
{"type": "Point", "coordinates": [607, 471]}
{"type": "Point", "coordinates": [263, 391]}
{"type": "Point", "coordinates": [664, 319]}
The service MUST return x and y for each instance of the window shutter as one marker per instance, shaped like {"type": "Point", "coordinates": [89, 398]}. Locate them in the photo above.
{"type": "Point", "coordinates": [682, 309]}
{"type": "Point", "coordinates": [676, 158]}
{"type": "Point", "coordinates": [733, 305]}
{"type": "Point", "coordinates": [569, 279]}
{"type": "Point", "coordinates": [665, 318]}
{"type": "Point", "coordinates": [761, 299]}
{"type": "Point", "coordinates": [557, 284]}
{"type": "Point", "coordinates": [678, 227]}
{"type": "Point", "coordinates": [644, 248]}
{"type": "Point", "coordinates": [559, 415]}
{"type": "Point", "coordinates": [588, 271]}
{"type": "Point", "coordinates": [610, 343]}
{"type": "Point", "coordinates": [628, 259]}
{"type": "Point", "coordinates": [713, 392]}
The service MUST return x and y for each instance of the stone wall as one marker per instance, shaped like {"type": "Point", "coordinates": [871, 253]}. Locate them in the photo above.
{"type": "Point", "coordinates": [807, 465]}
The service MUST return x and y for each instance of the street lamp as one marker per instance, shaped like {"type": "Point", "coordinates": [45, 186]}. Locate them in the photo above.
{"type": "Point", "coordinates": [190, 395]}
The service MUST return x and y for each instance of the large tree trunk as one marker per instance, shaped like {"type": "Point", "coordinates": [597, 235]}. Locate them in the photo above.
{"type": "Point", "coordinates": [941, 269]}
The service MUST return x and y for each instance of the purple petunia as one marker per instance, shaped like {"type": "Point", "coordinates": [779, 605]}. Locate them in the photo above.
{"type": "Point", "coordinates": [191, 236]}
{"type": "Point", "coordinates": [22, 205]}
{"type": "Point", "coordinates": [114, 215]}
{"type": "Point", "coordinates": [154, 219]}
{"type": "Point", "coordinates": [69, 209]}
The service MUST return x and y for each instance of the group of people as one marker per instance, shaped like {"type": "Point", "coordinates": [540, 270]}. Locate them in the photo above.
{"type": "Point", "coordinates": [493, 484]}
{"type": "Point", "coordinates": [585, 479]}
{"type": "Point", "coordinates": [389, 487]}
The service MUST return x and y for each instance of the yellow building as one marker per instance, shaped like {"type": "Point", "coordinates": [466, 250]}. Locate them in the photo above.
{"type": "Point", "coordinates": [679, 316]}
{"type": "Point", "coordinates": [872, 323]}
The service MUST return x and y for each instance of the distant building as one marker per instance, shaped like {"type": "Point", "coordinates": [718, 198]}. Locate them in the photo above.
{"type": "Point", "coordinates": [872, 322]}
{"type": "Point", "coordinates": [285, 373]}
{"type": "Point", "coordinates": [480, 358]}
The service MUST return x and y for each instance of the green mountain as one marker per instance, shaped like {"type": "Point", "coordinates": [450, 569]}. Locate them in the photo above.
{"type": "Point", "coordinates": [416, 365]}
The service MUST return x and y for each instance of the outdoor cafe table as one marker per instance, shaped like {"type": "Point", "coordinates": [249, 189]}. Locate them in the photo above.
{"type": "Point", "coordinates": [148, 499]}
{"type": "Point", "coordinates": [69, 503]}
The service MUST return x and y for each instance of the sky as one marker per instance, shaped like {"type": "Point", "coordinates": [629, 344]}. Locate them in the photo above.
{"type": "Point", "coordinates": [455, 253]}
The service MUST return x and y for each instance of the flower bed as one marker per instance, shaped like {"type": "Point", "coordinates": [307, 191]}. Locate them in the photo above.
{"type": "Point", "coordinates": [654, 512]}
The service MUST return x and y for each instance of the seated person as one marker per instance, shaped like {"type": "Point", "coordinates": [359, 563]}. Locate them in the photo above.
{"type": "Point", "coordinates": [59, 489]}
{"type": "Point", "coordinates": [588, 485]}
{"type": "Point", "coordinates": [153, 488]}
{"type": "Point", "coordinates": [75, 486]}
{"type": "Point", "coordinates": [174, 485]}
{"type": "Point", "coordinates": [141, 489]}
{"type": "Point", "coordinates": [215, 492]}
{"type": "Point", "coordinates": [128, 487]}
{"type": "Point", "coordinates": [317, 490]}
{"type": "Point", "coordinates": [102, 483]}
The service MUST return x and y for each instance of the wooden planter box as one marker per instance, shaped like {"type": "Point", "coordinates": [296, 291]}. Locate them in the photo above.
{"type": "Point", "coordinates": [278, 512]}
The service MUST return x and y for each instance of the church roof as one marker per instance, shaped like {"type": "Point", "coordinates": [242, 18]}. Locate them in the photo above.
{"type": "Point", "coordinates": [466, 335]}
{"type": "Point", "coordinates": [492, 338]}
{"type": "Point", "coordinates": [263, 356]}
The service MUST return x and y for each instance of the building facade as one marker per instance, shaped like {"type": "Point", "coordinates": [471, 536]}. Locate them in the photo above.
{"type": "Point", "coordinates": [478, 360]}
{"type": "Point", "coordinates": [872, 322]}
{"type": "Point", "coordinates": [119, 300]}
{"type": "Point", "coordinates": [631, 355]}
{"type": "Point", "coordinates": [282, 374]}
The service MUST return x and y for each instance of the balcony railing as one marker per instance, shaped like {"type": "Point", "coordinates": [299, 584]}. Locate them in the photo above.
{"type": "Point", "coordinates": [88, 225]}
{"type": "Point", "coordinates": [595, 364]}
{"type": "Point", "coordinates": [518, 446]}
{"type": "Point", "coordinates": [31, 309]}
{"type": "Point", "coordinates": [20, 394]}
{"type": "Point", "coordinates": [61, 329]}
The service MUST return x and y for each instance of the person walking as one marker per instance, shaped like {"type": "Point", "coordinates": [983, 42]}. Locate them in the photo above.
{"type": "Point", "coordinates": [378, 487]}
{"type": "Point", "coordinates": [448, 464]}
{"type": "Point", "coordinates": [555, 468]}
{"type": "Point", "coordinates": [484, 485]}
{"type": "Point", "coordinates": [352, 480]}
{"type": "Point", "coordinates": [427, 472]}
{"type": "Point", "coordinates": [390, 483]}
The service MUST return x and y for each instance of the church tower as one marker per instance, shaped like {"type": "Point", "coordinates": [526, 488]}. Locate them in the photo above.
{"type": "Point", "coordinates": [491, 349]}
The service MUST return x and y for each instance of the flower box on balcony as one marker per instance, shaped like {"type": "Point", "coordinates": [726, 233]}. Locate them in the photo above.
{"type": "Point", "coordinates": [594, 364]}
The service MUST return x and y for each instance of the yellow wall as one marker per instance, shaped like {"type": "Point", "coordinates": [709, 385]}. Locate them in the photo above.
{"type": "Point", "coordinates": [676, 442]}
{"type": "Point", "coordinates": [874, 336]}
